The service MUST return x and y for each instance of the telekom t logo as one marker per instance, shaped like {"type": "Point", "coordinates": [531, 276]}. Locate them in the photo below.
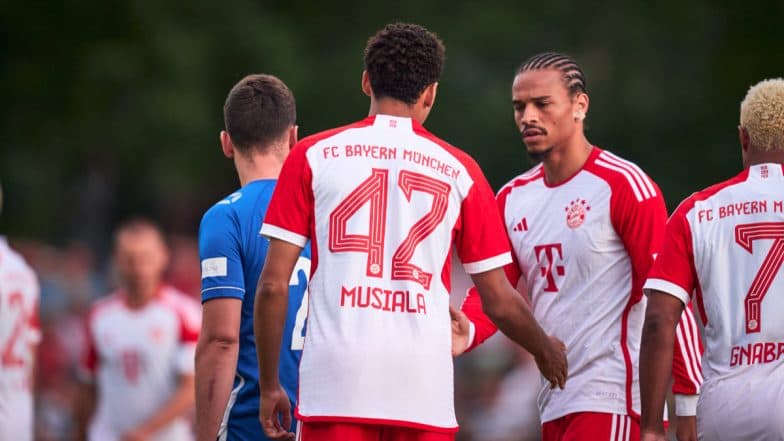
{"type": "Point", "coordinates": [745, 236]}
{"type": "Point", "coordinates": [548, 263]}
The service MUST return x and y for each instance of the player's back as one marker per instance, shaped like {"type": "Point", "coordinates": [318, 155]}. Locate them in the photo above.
{"type": "Point", "coordinates": [388, 198]}
{"type": "Point", "coordinates": [737, 230]}
{"type": "Point", "coordinates": [18, 336]}
{"type": "Point", "coordinates": [733, 237]}
{"type": "Point", "coordinates": [233, 254]}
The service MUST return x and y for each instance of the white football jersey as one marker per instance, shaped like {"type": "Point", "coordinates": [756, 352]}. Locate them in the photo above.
{"type": "Point", "coordinates": [19, 335]}
{"type": "Point", "coordinates": [584, 247]}
{"type": "Point", "coordinates": [136, 358]}
{"type": "Point", "coordinates": [382, 202]}
{"type": "Point", "coordinates": [724, 247]}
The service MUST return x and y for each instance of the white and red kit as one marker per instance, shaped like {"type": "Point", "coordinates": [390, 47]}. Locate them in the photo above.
{"type": "Point", "coordinates": [584, 248]}
{"type": "Point", "coordinates": [383, 201]}
{"type": "Point", "coordinates": [19, 335]}
{"type": "Point", "coordinates": [136, 358]}
{"type": "Point", "coordinates": [724, 247]}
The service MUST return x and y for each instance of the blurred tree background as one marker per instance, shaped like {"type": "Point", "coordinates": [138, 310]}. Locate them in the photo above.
{"type": "Point", "coordinates": [113, 108]}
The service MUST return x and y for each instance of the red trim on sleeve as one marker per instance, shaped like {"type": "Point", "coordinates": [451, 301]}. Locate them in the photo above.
{"type": "Point", "coordinates": [638, 215]}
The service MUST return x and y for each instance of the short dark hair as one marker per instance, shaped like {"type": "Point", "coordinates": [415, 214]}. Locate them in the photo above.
{"type": "Point", "coordinates": [139, 224]}
{"type": "Point", "coordinates": [260, 108]}
{"type": "Point", "coordinates": [402, 60]}
{"type": "Point", "coordinates": [573, 76]}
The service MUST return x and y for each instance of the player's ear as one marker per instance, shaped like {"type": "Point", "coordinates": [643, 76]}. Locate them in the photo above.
{"type": "Point", "coordinates": [293, 136]}
{"type": "Point", "coordinates": [743, 136]}
{"type": "Point", "coordinates": [429, 95]}
{"type": "Point", "coordinates": [226, 145]}
{"type": "Point", "coordinates": [581, 104]}
{"type": "Point", "coordinates": [366, 84]}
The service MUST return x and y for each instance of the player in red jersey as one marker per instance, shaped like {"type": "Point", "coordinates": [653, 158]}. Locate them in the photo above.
{"type": "Point", "coordinates": [724, 247]}
{"type": "Point", "coordinates": [383, 201]}
{"type": "Point", "coordinates": [141, 343]}
{"type": "Point", "coordinates": [19, 336]}
{"type": "Point", "coordinates": [583, 225]}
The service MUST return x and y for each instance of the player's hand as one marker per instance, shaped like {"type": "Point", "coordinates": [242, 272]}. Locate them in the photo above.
{"type": "Point", "coordinates": [275, 414]}
{"type": "Point", "coordinates": [137, 434]}
{"type": "Point", "coordinates": [646, 435]}
{"type": "Point", "coordinates": [553, 364]}
{"type": "Point", "coordinates": [460, 330]}
{"type": "Point", "coordinates": [686, 428]}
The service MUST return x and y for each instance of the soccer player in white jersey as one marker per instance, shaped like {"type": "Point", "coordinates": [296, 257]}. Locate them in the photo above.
{"type": "Point", "coordinates": [584, 224]}
{"type": "Point", "coordinates": [383, 201]}
{"type": "Point", "coordinates": [724, 247]}
{"type": "Point", "coordinates": [19, 335]}
{"type": "Point", "coordinates": [141, 342]}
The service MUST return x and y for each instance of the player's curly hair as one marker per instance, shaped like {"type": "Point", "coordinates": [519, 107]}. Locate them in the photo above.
{"type": "Point", "coordinates": [762, 115]}
{"type": "Point", "coordinates": [573, 75]}
{"type": "Point", "coordinates": [402, 60]}
{"type": "Point", "coordinates": [259, 110]}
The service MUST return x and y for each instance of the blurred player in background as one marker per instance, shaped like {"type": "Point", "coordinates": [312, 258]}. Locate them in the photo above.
{"type": "Point", "coordinates": [583, 225]}
{"type": "Point", "coordinates": [141, 340]}
{"type": "Point", "coordinates": [384, 201]}
{"type": "Point", "coordinates": [724, 246]}
{"type": "Point", "coordinates": [19, 336]}
{"type": "Point", "coordinates": [260, 117]}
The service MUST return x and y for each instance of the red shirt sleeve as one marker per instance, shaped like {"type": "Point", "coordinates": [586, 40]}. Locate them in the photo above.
{"type": "Point", "coordinates": [89, 359]}
{"type": "Point", "coordinates": [480, 236]}
{"type": "Point", "coordinates": [472, 305]}
{"type": "Point", "coordinates": [674, 273]}
{"type": "Point", "coordinates": [291, 208]}
{"type": "Point", "coordinates": [641, 225]}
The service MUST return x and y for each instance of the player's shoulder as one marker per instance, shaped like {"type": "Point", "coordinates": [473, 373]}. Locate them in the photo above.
{"type": "Point", "coordinates": [183, 305]}
{"type": "Point", "coordinates": [223, 211]}
{"type": "Point", "coordinates": [309, 141]}
{"type": "Point", "coordinates": [106, 304]}
{"type": "Point", "coordinates": [710, 192]}
{"type": "Point", "coordinates": [534, 174]}
{"type": "Point", "coordinates": [623, 175]}
{"type": "Point", "coordinates": [11, 261]}
{"type": "Point", "coordinates": [459, 154]}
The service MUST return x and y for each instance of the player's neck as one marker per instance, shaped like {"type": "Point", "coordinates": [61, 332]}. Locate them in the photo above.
{"type": "Point", "coordinates": [392, 107]}
{"type": "Point", "coordinates": [139, 297]}
{"type": "Point", "coordinates": [257, 166]}
{"type": "Point", "coordinates": [561, 164]}
{"type": "Point", "coordinates": [758, 157]}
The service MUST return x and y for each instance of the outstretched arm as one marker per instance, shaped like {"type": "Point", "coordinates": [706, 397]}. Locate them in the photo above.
{"type": "Point", "coordinates": [511, 314]}
{"type": "Point", "coordinates": [269, 319]}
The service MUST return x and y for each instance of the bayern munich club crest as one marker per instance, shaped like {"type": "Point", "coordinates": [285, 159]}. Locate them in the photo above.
{"type": "Point", "coordinates": [575, 212]}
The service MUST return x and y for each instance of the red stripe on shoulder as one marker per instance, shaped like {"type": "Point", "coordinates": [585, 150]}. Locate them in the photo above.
{"type": "Point", "coordinates": [528, 177]}
{"type": "Point", "coordinates": [187, 311]}
{"type": "Point", "coordinates": [709, 192]}
{"type": "Point", "coordinates": [464, 158]}
{"type": "Point", "coordinates": [311, 140]}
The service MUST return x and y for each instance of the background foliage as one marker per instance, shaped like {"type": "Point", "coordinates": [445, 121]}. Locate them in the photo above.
{"type": "Point", "coordinates": [113, 108]}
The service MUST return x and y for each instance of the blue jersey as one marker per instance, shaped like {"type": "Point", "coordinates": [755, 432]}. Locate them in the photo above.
{"type": "Point", "coordinates": [232, 254]}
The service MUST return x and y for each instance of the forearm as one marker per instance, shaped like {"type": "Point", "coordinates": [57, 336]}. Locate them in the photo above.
{"type": "Point", "coordinates": [179, 402]}
{"type": "Point", "coordinates": [84, 410]}
{"type": "Point", "coordinates": [268, 322]}
{"type": "Point", "coordinates": [216, 364]}
{"type": "Point", "coordinates": [515, 319]}
{"type": "Point", "coordinates": [656, 353]}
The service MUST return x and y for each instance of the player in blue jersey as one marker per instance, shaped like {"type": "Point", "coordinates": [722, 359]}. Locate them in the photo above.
{"type": "Point", "coordinates": [259, 115]}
